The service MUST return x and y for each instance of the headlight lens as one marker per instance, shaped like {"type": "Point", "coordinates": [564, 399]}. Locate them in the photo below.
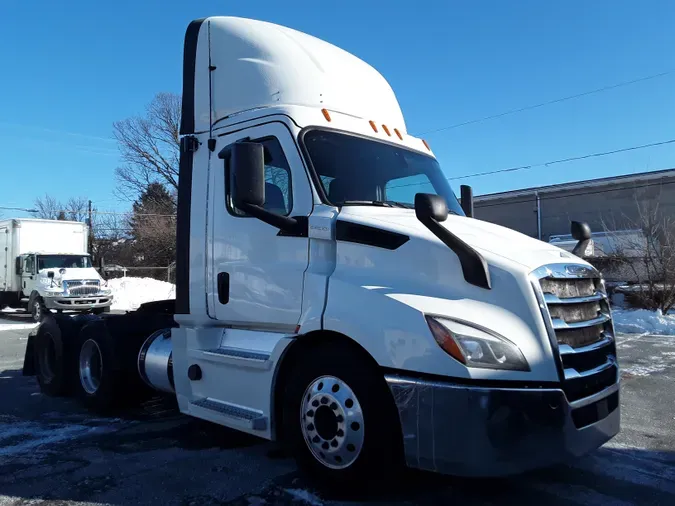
{"type": "Point", "coordinates": [476, 347]}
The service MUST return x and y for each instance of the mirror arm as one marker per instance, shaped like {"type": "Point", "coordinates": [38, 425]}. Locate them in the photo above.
{"type": "Point", "coordinates": [285, 223]}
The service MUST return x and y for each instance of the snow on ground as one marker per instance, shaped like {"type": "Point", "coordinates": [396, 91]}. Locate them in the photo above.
{"type": "Point", "coordinates": [129, 293]}
{"type": "Point", "coordinates": [643, 321]}
{"type": "Point", "coordinates": [16, 326]}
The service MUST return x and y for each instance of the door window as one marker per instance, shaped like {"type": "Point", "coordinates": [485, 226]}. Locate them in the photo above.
{"type": "Point", "coordinates": [29, 265]}
{"type": "Point", "coordinates": [278, 189]}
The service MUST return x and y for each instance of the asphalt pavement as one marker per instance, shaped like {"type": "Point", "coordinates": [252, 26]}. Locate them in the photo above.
{"type": "Point", "coordinates": [53, 452]}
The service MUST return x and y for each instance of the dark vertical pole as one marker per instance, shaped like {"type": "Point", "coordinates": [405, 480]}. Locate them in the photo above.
{"type": "Point", "coordinates": [466, 193]}
{"type": "Point", "coordinates": [91, 231]}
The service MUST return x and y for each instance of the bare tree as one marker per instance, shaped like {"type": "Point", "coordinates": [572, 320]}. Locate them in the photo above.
{"type": "Point", "coordinates": [47, 208]}
{"type": "Point", "coordinates": [149, 146]}
{"type": "Point", "coordinates": [649, 255]}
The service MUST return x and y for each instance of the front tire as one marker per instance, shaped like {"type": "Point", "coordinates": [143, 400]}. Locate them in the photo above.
{"type": "Point", "coordinates": [37, 309]}
{"type": "Point", "coordinates": [340, 419]}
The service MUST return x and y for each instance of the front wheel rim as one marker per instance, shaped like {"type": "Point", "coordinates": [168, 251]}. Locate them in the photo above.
{"type": "Point", "coordinates": [331, 421]}
{"type": "Point", "coordinates": [37, 311]}
{"type": "Point", "coordinates": [90, 366]}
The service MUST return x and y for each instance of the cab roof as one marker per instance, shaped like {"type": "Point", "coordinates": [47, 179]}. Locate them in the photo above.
{"type": "Point", "coordinates": [246, 64]}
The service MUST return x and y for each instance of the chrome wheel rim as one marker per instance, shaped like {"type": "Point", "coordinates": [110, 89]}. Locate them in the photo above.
{"type": "Point", "coordinates": [37, 311]}
{"type": "Point", "coordinates": [331, 421]}
{"type": "Point", "coordinates": [91, 366]}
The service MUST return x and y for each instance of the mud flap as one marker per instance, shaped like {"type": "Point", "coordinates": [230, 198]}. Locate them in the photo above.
{"type": "Point", "coordinates": [28, 363]}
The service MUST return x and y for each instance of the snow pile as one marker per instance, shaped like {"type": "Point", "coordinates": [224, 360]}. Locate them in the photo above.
{"type": "Point", "coordinates": [129, 293]}
{"type": "Point", "coordinates": [643, 321]}
{"type": "Point", "coordinates": [16, 326]}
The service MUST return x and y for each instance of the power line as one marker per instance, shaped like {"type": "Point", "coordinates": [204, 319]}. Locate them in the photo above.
{"type": "Point", "coordinates": [547, 164]}
{"type": "Point", "coordinates": [549, 102]}
{"type": "Point", "coordinates": [70, 211]}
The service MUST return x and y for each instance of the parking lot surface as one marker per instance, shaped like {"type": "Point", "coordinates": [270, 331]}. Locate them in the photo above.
{"type": "Point", "coordinates": [53, 452]}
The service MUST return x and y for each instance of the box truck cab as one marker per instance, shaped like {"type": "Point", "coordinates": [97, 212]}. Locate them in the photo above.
{"type": "Point", "coordinates": [333, 294]}
{"type": "Point", "coordinates": [46, 267]}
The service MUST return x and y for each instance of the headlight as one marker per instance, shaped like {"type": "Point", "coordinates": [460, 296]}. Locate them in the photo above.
{"type": "Point", "coordinates": [476, 347]}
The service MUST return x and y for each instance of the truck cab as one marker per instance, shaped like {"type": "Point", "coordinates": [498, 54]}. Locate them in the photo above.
{"type": "Point", "coordinates": [333, 294]}
{"type": "Point", "coordinates": [314, 230]}
{"type": "Point", "coordinates": [61, 281]}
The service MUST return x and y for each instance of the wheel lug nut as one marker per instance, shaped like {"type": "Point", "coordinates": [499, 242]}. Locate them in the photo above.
{"type": "Point", "coordinates": [316, 439]}
{"type": "Point", "coordinates": [334, 443]}
{"type": "Point", "coordinates": [333, 406]}
{"type": "Point", "coordinates": [325, 446]}
{"type": "Point", "coordinates": [340, 433]}
{"type": "Point", "coordinates": [324, 400]}
{"type": "Point", "coordinates": [310, 427]}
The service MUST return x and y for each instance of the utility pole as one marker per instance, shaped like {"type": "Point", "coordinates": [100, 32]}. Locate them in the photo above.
{"type": "Point", "coordinates": [91, 231]}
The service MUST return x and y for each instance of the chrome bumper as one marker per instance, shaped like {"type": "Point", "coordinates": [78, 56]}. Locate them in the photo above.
{"type": "Point", "coordinates": [78, 303]}
{"type": "Point", "coordinates": [475, 431]}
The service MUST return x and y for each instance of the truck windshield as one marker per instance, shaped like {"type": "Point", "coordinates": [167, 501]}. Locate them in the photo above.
{"type": "Point", "coordinates": [359, 171]}
{"type": "Point", "coordinates": [63, 261]}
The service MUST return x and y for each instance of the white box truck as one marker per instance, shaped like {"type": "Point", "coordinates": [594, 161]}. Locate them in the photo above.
{"type": "Point", "coordinates": [45, 266]}
{"type": "Point", "coordinates": [333, 294]}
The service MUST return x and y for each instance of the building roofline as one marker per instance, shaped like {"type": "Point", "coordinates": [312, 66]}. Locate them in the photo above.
{"type": "Point", "coordinates": [588, 183]}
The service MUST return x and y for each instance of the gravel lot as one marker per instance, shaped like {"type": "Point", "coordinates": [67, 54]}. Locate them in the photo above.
{"type": "Point", "coordinates": [52, 452]}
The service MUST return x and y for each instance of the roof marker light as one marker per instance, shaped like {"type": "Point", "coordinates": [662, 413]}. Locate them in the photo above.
{"type": "Point", "coordinates": [386, 130]}
{"type": "Point", "coordinates": [373, 125]}
{"type": "Point", "coordinates": [325, 114]}
{"type": "Point", "coordinates": [398, 133]}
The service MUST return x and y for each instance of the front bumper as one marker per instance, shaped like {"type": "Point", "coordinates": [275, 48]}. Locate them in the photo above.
{"type": "Point", "coordinates": [476, 431]}
{"type": "Point", "coordinates": [78, 303]}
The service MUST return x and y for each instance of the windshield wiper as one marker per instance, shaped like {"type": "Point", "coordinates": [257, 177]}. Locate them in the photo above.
{"type": "Point", "coordinates": [379, 203]}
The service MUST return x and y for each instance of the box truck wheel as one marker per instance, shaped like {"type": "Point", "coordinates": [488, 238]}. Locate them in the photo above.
{"type": "Point", "coordinates": [340, 420]}
{"type": "Point", "coordinates": [37, 308]}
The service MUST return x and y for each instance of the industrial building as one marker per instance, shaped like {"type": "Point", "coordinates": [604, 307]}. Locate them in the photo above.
{"type": "Point", "coordinates": [605, 204]}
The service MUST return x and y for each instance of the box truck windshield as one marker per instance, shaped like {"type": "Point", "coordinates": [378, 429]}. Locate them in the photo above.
{"type": "Point", "coordinates": [63, 262]}
{"type": "Point", "coordinates": [357, 170]}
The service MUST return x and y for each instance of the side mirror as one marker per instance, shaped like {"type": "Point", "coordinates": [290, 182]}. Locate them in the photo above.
{"type": "Point", "coordinates": [18, 266]}
{"type": "Point", "coordinates": [50, 274]}
{"type": "Point", "coordinates": [247, 166]}
{"type": "Point", "coordinates": [431, 206]}
{"type": "Point", "coordinates": [581, 232]}
{"type": "Point", "coordinates": [466, 201]}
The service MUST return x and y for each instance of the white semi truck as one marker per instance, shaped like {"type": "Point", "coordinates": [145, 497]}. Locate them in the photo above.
{"type": "Point", "coordinates": [44, 265]}
{"type": "Point", "coordinates": [333, 294]}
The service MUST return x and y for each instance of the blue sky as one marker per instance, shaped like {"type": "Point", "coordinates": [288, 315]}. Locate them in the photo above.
{"type": "Point", "coordinates": [72, 68]}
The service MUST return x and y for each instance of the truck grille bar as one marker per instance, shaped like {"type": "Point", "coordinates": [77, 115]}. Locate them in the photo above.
{"type": "Point", "coordinates": [576, 312]}
{"type": "Point", "coordinates": [82, 287]}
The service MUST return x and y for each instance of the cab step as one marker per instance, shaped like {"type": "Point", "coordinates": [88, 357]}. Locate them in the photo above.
{"type": "Point", "coordinates": [237, 357]}
{"type": "Point", "coordinates": [249, 418]}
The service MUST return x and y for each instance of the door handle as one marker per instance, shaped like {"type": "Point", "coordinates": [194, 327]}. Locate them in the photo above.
{"type": "Point", "coordinates": [223, 287]}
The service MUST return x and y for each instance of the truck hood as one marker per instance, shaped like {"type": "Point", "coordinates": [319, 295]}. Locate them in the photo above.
{"type": "Point", "coordinates": [71, 273]}
{"type": "Point", "coordinates": [481, 235]}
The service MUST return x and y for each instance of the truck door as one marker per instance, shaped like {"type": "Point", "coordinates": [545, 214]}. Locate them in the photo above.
{"type": "Point", "coordinates": [261, 272]}
{"type": "Point", "coordinates": [28, 275]}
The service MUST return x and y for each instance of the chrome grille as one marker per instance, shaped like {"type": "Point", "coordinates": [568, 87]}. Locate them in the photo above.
{"type": "Point", "coordinates": [82, 287]}
{"type": "Point", "coordinates": [576, 311]}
